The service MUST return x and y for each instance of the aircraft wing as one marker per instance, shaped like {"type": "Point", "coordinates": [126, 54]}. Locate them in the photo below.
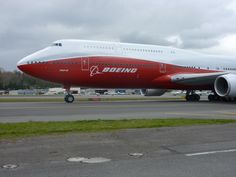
{"type": "Point", "coordinates": [196, 79]}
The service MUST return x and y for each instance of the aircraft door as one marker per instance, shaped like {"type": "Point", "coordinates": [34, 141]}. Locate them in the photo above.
{"type": "Point", "coordinates": [85, 64]}
{"type": "Point", "coordinates": [162, 68]}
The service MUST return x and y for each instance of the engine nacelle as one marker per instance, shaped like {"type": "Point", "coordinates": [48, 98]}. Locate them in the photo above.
{"type": "Point", "coordinates": [153, 92]}
{"type": "Point", "coordinates": [225, 85]}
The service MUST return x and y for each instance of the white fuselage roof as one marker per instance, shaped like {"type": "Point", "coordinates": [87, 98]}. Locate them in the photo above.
{"type": "Point", "coordinates": [79, 48]}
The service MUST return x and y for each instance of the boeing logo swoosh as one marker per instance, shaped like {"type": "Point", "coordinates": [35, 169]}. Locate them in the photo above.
{"type": "Point", "coordinates": [94, 70]}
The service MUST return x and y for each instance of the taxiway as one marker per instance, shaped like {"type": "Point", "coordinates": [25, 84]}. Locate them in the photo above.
{"type": "Point", "coordinates": [87, 110]}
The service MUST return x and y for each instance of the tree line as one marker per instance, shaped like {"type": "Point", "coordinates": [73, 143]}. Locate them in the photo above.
{"type": "Point", "coordinates": [14, 80]}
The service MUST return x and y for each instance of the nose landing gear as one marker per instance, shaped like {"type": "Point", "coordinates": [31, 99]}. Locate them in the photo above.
{"type": "Point", "coordinates": [69, 98]}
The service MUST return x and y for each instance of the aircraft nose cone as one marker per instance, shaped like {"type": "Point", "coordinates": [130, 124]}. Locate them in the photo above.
{"type": "Point", "coordinates": [23, 61]}
{"type": "Point", "coordinates": [20, 67]}
{"type": "Point", "coordinates": [20, 64]}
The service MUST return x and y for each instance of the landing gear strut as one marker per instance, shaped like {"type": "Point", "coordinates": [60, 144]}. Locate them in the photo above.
{"type": "Point", "coordinates": [69, 98]}
{"type": "Point", "coordinates": [192, 96]}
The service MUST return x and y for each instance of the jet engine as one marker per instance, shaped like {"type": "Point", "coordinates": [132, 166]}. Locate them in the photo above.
{"type": "Point", "coordinates": [225, 85]}
{"type": "Point", "coordinates": [153, 92]}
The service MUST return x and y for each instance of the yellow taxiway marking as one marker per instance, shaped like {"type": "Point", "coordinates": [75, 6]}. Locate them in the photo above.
{"type": "Point", "coordinates": [92, 106]}
{"type": "Point", "coordinates": [201, 114]}
{"type": "Point", "coordinates": [227, 113]}
{"type": "Point", "coordinates": [192, 114]}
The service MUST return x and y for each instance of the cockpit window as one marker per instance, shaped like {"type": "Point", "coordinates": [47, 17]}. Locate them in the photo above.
{"type": "Point", "coordinates": [57, 44]}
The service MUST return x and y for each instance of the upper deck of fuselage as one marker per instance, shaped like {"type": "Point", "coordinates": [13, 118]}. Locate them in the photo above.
{"type": "Point", "coordinates": [71, 48]}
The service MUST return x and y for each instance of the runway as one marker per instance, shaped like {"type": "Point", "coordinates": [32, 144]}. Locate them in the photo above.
{"type": "Point", "coordinates": [177, 152]}
{"type": "Point", "coordinates": [88, 110]}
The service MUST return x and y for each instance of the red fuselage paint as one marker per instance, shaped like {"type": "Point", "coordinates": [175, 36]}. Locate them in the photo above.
{"type": "Point", "coordinates": [102, 64]}
{"type": "Point", "coordinates": [111, 72]}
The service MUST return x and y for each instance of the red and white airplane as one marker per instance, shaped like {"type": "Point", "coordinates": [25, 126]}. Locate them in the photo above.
{"type": "Point", "coordinates": [152, 68]}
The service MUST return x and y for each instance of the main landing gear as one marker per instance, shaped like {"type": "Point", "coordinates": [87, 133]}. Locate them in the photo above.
{"type": "Point", "coordinates": [69, 98]}
{"type": "Point", "coordinates": [192, 96]}
{"type": "Point", "coordinates": [214, 97]}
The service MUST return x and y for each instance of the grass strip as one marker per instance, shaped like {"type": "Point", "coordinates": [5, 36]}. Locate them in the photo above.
{"type": "Point", "coordinates": [12, 100]}
{"type": "Point", "coordinates": [26, 129]}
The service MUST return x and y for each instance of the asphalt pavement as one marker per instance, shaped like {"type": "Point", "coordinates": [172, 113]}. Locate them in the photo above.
{"type": "Point", "coordinates": [88, 110]}
{"type": "Point", "coordinates": [195, 151]}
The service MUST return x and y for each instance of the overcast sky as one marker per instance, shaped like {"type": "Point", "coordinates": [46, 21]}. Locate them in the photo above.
{"type": "Point", "coordinates": [26, 26]}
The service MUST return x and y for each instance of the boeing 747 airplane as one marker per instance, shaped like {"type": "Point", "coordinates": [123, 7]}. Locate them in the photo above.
{"type": "Point", "coordinates": [152, 68]}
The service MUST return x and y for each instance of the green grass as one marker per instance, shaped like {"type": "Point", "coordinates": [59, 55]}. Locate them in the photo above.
{"type": "Point", "coordinates": [20, 130]}
{"type": "Point", "coordinates": [11, 100]}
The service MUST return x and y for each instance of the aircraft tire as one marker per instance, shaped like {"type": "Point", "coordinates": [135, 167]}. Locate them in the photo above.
{"type": "Point", "coordinates": [196, 97]}
{"type": "Point", "coordinates": [69, 98]}
{"type": "Point", "coordinates": [211, 97]}
{"type": "Point", "coordinates": [193, 97]}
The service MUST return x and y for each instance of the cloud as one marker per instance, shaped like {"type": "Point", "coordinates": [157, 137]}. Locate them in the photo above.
{"type": "Point", "coordinates": [27, 26]}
